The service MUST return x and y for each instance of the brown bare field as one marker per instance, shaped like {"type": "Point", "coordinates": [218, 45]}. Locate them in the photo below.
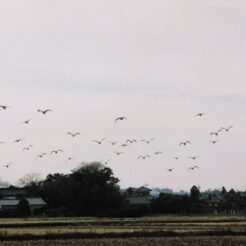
{"type": "Point", "coordinates": [176, 230]}
{"type": "Point", "coordinates": [168, 241]}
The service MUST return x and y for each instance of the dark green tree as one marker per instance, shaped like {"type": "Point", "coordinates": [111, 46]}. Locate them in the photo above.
{"type": "Point", "coordinates": [195, 193]}
{"type": "Point", "coordinates": [23, 208]}
{"type": "Point", "coordinates": [223, 191]}
{"type": "Point", "coordinates": [196, 203]}
{"type": "Point", "coordinates": [231, 201]}
{"type": "Point", "coordinates": [90, 189]}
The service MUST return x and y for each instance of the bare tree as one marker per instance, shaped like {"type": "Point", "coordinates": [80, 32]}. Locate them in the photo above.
{"type": "Point", "coordinates": [29, 179]}
{"type": "Point", "coordinates": [4, 184]}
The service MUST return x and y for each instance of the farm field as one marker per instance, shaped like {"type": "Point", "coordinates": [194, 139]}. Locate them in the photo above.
{"type": "Point", "coordinates": [155, 241]}
{"type": "Point", "coordinates": [159, 230]}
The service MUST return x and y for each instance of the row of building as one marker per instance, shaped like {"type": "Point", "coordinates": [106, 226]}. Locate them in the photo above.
{"type": "Point", "coordinates": [10, 198]}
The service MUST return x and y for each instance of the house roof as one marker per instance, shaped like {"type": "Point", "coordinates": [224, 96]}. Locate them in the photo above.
{"type": "Point", "coordinates": [143, 189]}
{"type": "Point", "coordinates": [11, 202]}
{"type": "Point", "coordinates": [38, 201]}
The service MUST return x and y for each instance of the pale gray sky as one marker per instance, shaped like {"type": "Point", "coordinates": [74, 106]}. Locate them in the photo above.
{"type": "Point", "coordinates": [156, 62]}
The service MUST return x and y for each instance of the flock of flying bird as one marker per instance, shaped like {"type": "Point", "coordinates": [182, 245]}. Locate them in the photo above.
{"type": "Point", "coordinates": [148, 141]}
{"type": "Point", "coordinates": [115, 143]}
{"type": "Point", "coordinates": [187, 142]}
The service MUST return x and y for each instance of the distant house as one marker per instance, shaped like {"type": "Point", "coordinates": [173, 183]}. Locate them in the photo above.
{"type": "Point", "coordinates": [8, 205]}
{"type": "Point", "coordinates": [10, 198]}
{"type": "Point", "coordinates": [138, 196]}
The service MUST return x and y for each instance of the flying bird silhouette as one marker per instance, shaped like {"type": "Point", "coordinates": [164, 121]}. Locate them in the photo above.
{"type": "Point", "coordinates": [26, 121]}
{"type": "Point", "coordinates": [214, 141]}
{"type": "Point", "coordinates": [158, 152]}
{"type": "Point", "coordinates": [170, 169]}
{"type": "Point", "coordinates": [118, 153]}
{"type": "Point", "coordinates": [27, 148]}
{"type": "Point", "coordinates": [44, 111]}
{"type": "Point", "coordinates": [106, 162]}
{"type": "Point", "coordinates": [41, 155]}
{"type": "Point", "coordinates": [193, 157]}
{"type": "Point", "coordinates": [143, 157]}
{"type": "Point", "coordinates": [226, 129]}
{"type": "Point", "coordinates": [18, 140]}
{"type": "Point", "coordinates": [99, 141]}
{"type": "Point", "coordinates": [131, 141]}
{"type": "Point", "coordinates": [192, 168]}
{"type": "Point", "coordinates": [73, 134]}
{"type": "Point", "coordinates": [113, 143]}
{"type": "Point", "coordinates": [4, 107]}
{"type": "Point", "coordinates": [184, 143]}
{"type": "Point", "coordinates": [56, 151]}
{"type": "Point", "coordinates": [147, 141]}
{"type": "Point", "coordinates": [215, 133]}
{"type": "Point", "coordinates": [119, 118]}
{"type": "Point", "coordinates": [200, 114]}
{"type": "Point", "coordinates": [7, 165]}
{"type": "Point", "coordinates": [124, 145]}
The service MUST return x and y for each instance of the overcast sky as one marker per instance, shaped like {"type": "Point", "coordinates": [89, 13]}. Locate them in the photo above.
{"type": "Point", "coordinates": [156, 62]}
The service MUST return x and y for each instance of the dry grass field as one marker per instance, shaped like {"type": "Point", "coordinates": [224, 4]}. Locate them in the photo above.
{"type": "Point", "coordinates": [155, 241]}
{"type": "Point", "coordinates": [160, 230]}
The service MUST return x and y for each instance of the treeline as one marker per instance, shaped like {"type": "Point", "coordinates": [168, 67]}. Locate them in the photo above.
{"type": "Point", "coordinates": [92, 190]}
{"type": "Point", "coordinates": [223, 202]}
